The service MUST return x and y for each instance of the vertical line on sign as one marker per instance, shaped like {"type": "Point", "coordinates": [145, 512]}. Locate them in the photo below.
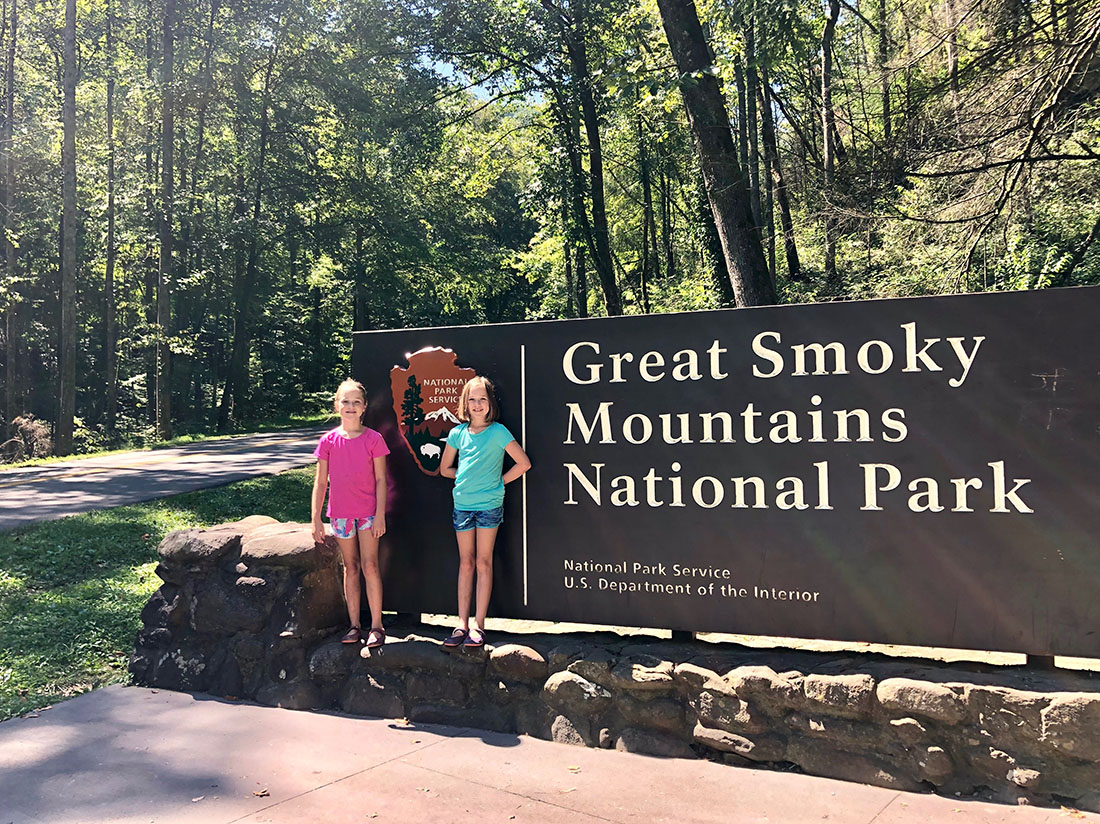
{"type": "Point", "coordinates": [523, 443]}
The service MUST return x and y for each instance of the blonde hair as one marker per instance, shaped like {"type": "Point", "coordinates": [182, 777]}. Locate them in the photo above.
{"type": "Point", "coordinates": [352, 384]}
{"type": "Point", "coordinates": [490, 393]}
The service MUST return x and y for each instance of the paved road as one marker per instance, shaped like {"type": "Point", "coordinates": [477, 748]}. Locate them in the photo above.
{"type": "Point", "coordinates": [125, 754]}
{"type": "Point", "coordinates": [48, 491]}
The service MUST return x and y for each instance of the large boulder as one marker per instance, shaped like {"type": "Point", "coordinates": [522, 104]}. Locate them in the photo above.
{"type": "Point", "coordinates": [848, 696]}
{"type": "Point", "coordinates": [1071, 724]}
{"type": "Point", "coordinates": [910, 697]}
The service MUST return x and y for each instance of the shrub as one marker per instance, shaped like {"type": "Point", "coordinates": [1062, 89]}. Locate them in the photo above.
{"type": "Point", "coordinates": [30, 438]}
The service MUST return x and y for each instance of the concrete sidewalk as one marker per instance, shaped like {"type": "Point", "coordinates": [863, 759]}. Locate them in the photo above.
{"type": "Point", "coordinates": [124, 754]}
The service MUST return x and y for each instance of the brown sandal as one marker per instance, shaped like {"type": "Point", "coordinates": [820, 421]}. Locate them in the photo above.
{"type": "Point", "coordinates": [376, 637]}
{"type": "Point", "coordinates": [474, 638]}
{"type": "Point", "coordinates": [456, 638]}
{"type": "Point", "coordinates": [352, 636]}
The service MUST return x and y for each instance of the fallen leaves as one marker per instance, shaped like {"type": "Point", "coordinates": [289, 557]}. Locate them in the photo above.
{"type": "Point", "coordinates": [198, 799]}
{"type": "Point", "coordinates": [261, 793]}
{"type": "Point", "coordinates": [1072, 813]}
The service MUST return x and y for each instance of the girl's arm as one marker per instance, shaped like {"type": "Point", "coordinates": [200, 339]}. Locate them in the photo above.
{"type": "Point", "coordinates": [447, 467]}
{"type": "Point", "coordinates": [523, 463]}
{"type": "Point", "coordinates": [379, 527]}
{"type": "Point", "coordinates": [320, 484]}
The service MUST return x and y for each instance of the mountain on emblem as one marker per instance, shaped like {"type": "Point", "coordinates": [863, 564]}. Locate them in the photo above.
{"type": "Point", "coordinates": [443, 413]}
{"type": "Point", "coordinates": [425, 400]}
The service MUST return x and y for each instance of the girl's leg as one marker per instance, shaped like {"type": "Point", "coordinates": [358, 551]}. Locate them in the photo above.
{"type": "Point", "coordinates": [349, 554]}
{"type": "Point", "coordinates": [466, 553]}
{"type": "Point", "coordinates": [486, 538]}
{"type": "Point", "coordinates": [368, 556]}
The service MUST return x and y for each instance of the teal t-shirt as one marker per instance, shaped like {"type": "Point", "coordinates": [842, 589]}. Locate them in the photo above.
{"type": "Point", "coordinates": [479, 483]}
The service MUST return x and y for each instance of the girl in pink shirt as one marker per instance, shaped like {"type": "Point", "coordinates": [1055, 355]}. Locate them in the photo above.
{"type": "Point", "coordinates": [351, 464]}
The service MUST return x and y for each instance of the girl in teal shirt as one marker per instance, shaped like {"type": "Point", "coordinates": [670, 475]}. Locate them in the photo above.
{"type": "Point", "coordinates": [479, 445]}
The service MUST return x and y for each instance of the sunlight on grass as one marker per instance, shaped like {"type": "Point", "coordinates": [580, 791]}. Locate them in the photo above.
{"type": "Point", "coordinates": [71, 591]}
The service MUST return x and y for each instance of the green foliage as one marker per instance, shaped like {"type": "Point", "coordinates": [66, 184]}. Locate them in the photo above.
{"type": "Point", "coordinates": [366, 164]}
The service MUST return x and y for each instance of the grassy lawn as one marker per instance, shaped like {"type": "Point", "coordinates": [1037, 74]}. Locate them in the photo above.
{"type": "Point", "coordinates": [71, 590]}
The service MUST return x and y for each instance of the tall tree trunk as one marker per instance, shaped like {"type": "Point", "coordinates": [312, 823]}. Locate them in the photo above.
{"type": "Point", "coordinates": [725, 181]}
{"type": "Point", "coordinates": [236, 383]}
{"type": "Point", "coordinates": [193, 229]}
{"type": "Point", "coordinates": [182, 242]}
{"type": "Point", "coordinates": [567, 259]}
{"type": "Point", "coordinates": [167, 193]}
{"type": "Point", "coordinates": [752, 83]}
{"type": "Point", "coordinates": [952, 48]}
{"type": "Point", "coordinates": [360, 321]}
{"type": "Point", "coordinates": [884, 77]}
{"type": "Point", "coordinates": [195, 213]}
{"type": "Point", "coordinates": [828, 128]}
{"type": "Point", "coordinates": [12, 376]}
{"type": "Point", "coordinates": [650, 259]}
{"type": "Point", "coordinates": [567, 250]}
{"type": "Point", "coordinates": [907, 109]}
{"type": "Point", "coordinates": [110, 344]}
{"type": "Point", "coordinates": [779, 184]}
{"type": "Point", "coordinates": [666, 223]}
{"type": "Point", "coordinates": [578, 57]}
{"type": "Point", "coordinates": [63, 438]}
{"type": "Point", "coordinates": [713, 244]}
{"type": "Point", "coordinates": [153, 227]}
{"type": "Point", "coordinates": [581, 228]}
{"type": "Point", "coordinates": [742, 115]}
{"type": "Point", "coordinates": [315, 366]}
{"type": "Point", "coordinates": [767, 206]}
{"type": "Point", "coordinates": [581, 277]}
{"type": "Point", "coordinates": [240, 209]}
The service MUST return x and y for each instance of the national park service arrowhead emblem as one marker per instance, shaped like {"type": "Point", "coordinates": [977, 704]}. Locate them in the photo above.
{"type": "Point", "coordinates": [425, 400]}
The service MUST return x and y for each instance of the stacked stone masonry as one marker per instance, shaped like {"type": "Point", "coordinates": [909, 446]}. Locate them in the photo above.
{"type": "Point", "coordinates": [253, 610]}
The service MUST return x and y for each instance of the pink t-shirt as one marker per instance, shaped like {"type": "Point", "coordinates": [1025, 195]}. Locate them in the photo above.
{"type": "Point", "coordinates": [351, 472]}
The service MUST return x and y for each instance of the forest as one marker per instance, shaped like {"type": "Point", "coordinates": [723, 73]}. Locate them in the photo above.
{"type": "Point", "coordinates": [200, 200]}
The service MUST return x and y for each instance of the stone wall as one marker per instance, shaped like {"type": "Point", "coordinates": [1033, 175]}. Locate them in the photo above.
{"type": "Point", "coordinates": [254, 609]}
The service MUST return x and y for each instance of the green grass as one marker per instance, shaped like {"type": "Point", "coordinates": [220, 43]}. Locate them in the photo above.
{"type": "Point", "coordinates": [71, 591]}
{"type": "Point", "coordinates": [288, 422]}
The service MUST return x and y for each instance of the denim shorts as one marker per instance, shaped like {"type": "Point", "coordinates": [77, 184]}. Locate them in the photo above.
{"type": "Point", "coordinates": [346, 527]}
{"type": "Point", "coordinates": [466, 519]}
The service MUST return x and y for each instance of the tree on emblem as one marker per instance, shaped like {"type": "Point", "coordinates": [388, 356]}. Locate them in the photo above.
{"type": "Point", "coordinates": [412, 414]}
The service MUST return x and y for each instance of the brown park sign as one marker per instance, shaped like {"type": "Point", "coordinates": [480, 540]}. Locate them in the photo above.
{"type": "Point", "coordinates": [919, 471]}
{"type": "Point", "coordinates": [425, 401]}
